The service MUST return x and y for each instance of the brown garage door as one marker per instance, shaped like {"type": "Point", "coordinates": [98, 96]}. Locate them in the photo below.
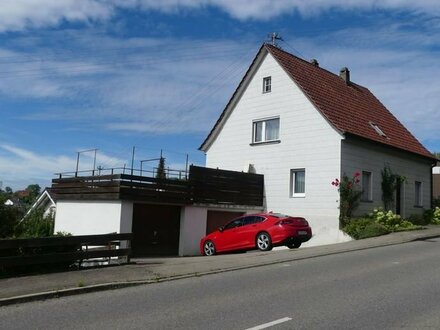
{"type": "Point", "coordinates": [155, 230]}
{"type": "Point", "coordinates": [219, 218]}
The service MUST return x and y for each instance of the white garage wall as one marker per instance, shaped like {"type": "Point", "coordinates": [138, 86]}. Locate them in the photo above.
{"type": "Point", "coordinates": [192, 229]}
{"type": "Point", "coordinates": [90, 218]}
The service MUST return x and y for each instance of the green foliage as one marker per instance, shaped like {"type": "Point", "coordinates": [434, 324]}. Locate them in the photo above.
{"type": "Point", "coordinates": [436, 202]}
{"type": "Point", "coordinates": [9, 217]}
{"type": "Point", "coordinates": [390, 220]}
{"type": "Point", "coordinates": [360, 228]}
{"type": "Point", "coordinates": [380, 222]}
{"type": "Point", "coordinates": [161, 169]}
{"type": "Point", "coordinates": [349, 195]}
{"type": "Point", "coordinates": [35, 225]}
{"type": "Point", "coordinates": [419, 219]}
{"type": "Point", "coordinates": [434, 215]}
{"type": "Point", "coordinates": [389, 181]}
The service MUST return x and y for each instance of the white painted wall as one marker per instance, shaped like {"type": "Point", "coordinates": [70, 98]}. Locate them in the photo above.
{"type": "Point", "coordinates": [92, 217]}
{"type": "Point", "coordinates": [364, 156]}
{"type": "Point", "coordinates": [192, 229]}
{"type": "Point", "coordinates": [307, 141]}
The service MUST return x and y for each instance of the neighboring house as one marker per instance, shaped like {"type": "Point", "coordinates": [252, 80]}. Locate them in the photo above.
{"type": "Point", "coordinates": [303, 126]}
{"type": "Point", "coordinates": [46, 201]}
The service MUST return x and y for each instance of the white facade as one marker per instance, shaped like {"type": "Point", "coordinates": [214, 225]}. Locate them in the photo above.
{"type": "Point", "coordinates": [307, 141]}
{"type": "Point", "coordinates": [358, 156]}
{"type": "Point", "coordinates": [93, 217]}
{"type": "Point", "coordinates": [192, 229]}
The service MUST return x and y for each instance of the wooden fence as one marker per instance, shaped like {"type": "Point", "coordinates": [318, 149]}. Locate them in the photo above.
{"type": "Point", "coordinates": [66, 249]}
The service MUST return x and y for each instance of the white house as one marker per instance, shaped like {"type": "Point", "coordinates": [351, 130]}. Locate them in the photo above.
{"type": "Point", "coordinates": [303, 126]}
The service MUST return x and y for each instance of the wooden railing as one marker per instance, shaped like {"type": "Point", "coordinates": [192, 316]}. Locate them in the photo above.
{"type": "Point", "coordinates": [204, 186]}
{"type": "Point", "coordinates": [66, 249]}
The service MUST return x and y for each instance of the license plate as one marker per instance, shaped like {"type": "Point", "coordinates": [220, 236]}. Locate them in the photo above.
{"type": "Point", "coordinates": [302, 232]}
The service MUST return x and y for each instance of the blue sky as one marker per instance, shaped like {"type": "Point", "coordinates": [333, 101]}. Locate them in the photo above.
{"type": "Point", "coordinates": [81, 74]}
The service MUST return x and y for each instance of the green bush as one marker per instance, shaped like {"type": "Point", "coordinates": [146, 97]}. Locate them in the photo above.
{"type": "Point", "coordinates": [390, 220]}
{"type": "Point", "coordinates": [359, 228]}
{"type": "Point", "coordinates": [380, 222]}
{"type": "Point", "coordinates": [35, 224]}
{"type": "Point", "coordinates": [432, 216]}
{"type": "Point", "coordinates": [419, 219]}
{"type": "Point", "coordinates": [436, 216]}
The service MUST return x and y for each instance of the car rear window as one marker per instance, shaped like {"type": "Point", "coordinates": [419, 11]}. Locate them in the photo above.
{"type": "Point", "coordinates": [279, 215]}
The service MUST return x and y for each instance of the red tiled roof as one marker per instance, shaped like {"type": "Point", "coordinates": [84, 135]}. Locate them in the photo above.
{"type": "Point", "coordinates": [349, 108]}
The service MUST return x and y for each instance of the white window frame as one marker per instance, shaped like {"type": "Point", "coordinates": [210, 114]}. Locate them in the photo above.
{"type": "Point", "coordinates": [267, 84]}
{"type": "Point", "coordinates": [263, 129]}
{"type": "Point", "coordinates": [419, 202]}
{"type": "Point", "coordinates": [293, 173]}
{"type": "Point", "coordinates": [370, 192]}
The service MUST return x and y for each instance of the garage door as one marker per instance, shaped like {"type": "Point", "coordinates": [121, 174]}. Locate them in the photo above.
{"type": "Point", "coordinates": [155, 230]}
{"type": "Point", "coordinates": [219, 218]}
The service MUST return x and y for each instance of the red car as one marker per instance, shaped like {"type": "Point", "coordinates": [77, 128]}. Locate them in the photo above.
{"type": "Point", "coordinates": [252, 231]}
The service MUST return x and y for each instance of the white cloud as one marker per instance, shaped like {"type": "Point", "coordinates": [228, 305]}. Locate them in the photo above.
{"type": "Point", "coordinates": [30, 167]}
{"type": "Point", "coordinates": [18, 15]}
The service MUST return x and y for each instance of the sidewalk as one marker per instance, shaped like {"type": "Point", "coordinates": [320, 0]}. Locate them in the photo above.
{"type": "Point", "coordinates": [151, 270]}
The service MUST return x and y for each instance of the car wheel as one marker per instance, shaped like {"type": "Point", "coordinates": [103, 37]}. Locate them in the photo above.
{"type": "Point", "coordinates": [294, 245]}
{"type": "Point", "coordinates": [209, 248]}
{"type": "Point", "coordinates": [264, 242]}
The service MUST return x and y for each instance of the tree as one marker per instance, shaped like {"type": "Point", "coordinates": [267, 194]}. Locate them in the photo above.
{"type": "Point", "coordinates": [161, 169]}
{"type": "Point", "coordinates": [9, 216]}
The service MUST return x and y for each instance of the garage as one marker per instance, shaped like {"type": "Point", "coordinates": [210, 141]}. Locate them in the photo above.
{"type": "Point", "coordinates": [216, 219]}
{"type": "Point", "coordinates": [155, 230]}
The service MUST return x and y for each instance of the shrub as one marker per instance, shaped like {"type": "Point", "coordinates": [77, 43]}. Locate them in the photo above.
{"type": "Point", "coordinates": [35, 225]}
{"type": "Point", "coordinates": [420, 220]}
{"type": "Point", "coordinates": [390, 220]}
{"type": "Point", "coordinates": [349, 195]}
{"type": "Point", "coordinates": [365, 227]}
{"type": "Point", "coordinates": [436, 216]}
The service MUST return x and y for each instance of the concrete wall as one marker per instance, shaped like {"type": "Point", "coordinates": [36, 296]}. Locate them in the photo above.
{"type": "Point", "coordinates": [364, 156]}
{"type": "Point", "coordinates": [307, 141]}
{"type": "Point", "coordinates": [91, 217]}
{"type": "Point", "coordinates": [192, 229]}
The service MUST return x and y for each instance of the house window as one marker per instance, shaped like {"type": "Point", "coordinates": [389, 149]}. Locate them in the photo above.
{"type": "Point", "coordinates": [418, 193]}
{"type": "Point", "coordinates": [266, 130]}
{"type": "Point", "coordinates": [367, 191]}
{"type": "Point", "coordinates": [297, 183]}
{"type": "Point", "coordinates": [267, 84]}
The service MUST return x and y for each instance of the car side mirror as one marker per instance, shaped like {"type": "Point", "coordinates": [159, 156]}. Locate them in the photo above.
{"type": "Point", "coordinates": [221, 228]}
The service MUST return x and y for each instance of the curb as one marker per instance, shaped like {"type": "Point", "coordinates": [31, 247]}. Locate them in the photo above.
{"type": "Point", "coordinates": [119, 285]}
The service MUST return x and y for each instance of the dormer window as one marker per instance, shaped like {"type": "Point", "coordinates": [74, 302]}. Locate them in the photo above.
{"type": "Point", "coordinates": [267, 84]}
{"type": "Point", "coordinates": [377, 129]}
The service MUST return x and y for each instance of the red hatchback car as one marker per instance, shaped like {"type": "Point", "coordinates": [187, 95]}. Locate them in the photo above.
{"type": "Point", "coordinates": [257, 231]}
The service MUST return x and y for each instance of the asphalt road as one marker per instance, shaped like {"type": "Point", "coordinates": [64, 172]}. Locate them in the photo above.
{"type": "Point", "coordinates": [394, 287]}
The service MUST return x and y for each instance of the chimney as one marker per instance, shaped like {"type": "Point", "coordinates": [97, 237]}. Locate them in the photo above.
{"type": "Point", "coordinates": [314, 62]}
{"type": "Point", "coordinates": [344, 73]}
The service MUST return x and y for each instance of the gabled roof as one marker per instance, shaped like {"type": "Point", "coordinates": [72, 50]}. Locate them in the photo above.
{"type": "Point", "coordinates": [349, 108]}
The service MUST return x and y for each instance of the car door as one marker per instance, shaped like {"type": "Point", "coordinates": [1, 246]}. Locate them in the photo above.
{"type": "Point", "coordinates": [250, 229]}
{"type": "Point", "coordinates": [227, 238]}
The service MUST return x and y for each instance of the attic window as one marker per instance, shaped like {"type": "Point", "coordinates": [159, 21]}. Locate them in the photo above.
{"type": "Point", "coordinates": [267, 84]}
{"type": "Point", "coordinates": [377, 129]}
